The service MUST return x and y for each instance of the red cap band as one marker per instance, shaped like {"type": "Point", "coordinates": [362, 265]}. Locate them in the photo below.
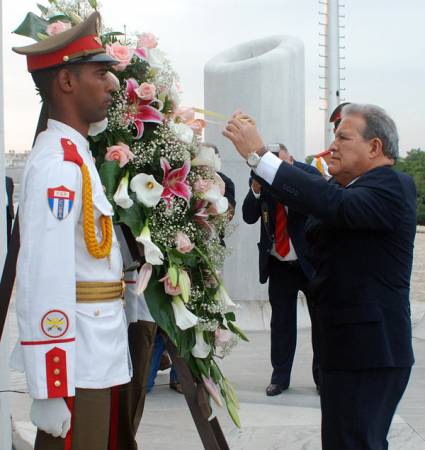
{"type": "Point", "coordinates": [61, 56]}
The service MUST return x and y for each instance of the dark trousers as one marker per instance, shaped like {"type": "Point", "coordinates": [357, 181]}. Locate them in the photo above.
{"type": "Point", "coordinates": [141, 337]}
{"type": "Point", "coordinates": [358, 406]}
{"type": "Point", "coordinates": [90, 423]}
{"type": "Point", "coordinates": [285, 281]}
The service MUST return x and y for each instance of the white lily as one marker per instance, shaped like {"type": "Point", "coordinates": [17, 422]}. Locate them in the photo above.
{"type": "Point", "coordinates": [223, 297]}
{"type": "Point", "coordinates": [145, 274]}
{"type": "Point", "coordinates": [207, 157]}
{"type": "Point", "coordinates": [156, 58]}
{"type": "Point", "coordinates": [153, 254]}
{"type": "Point", "coordinates": [184, 318]}
{"type": "Point", "coordinates": [121, 197]}
{"type": "Point", "coordinates": [183, 132]}
{"type": "Point", "coordinates": [201, 349]}
{"type": "Point", "coordinates": [147, 189]}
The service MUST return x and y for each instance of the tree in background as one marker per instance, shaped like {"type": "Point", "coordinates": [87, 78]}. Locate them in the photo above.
{"type": "Point", "coordinates": [414, 165]}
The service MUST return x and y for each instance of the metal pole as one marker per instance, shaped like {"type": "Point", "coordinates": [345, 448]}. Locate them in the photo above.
{"type": "Point", "coordinates": [332, 66]}
{"type": "Point", "coordinates": [5, 422]}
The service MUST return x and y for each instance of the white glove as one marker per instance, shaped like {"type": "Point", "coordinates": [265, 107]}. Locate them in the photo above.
{"type": "Point", "coordinates": [52, 416]}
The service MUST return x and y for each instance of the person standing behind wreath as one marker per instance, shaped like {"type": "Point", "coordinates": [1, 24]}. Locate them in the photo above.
{"type": "Point", "coordinates": [283, 262]}
{"type": "Point", "coordinates": [72, 327]}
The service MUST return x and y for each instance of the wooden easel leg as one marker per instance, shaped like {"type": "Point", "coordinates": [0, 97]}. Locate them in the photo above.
{"type": "Point", "coordinates": [209, 431]}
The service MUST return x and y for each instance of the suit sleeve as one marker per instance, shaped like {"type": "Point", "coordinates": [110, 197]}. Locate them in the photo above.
{"type": "Point", "coordinates": [251, 208]}
{"type": "Point", "coordinates": [46, 281]}
{"type": "Point", "coordinates": [369, 205]}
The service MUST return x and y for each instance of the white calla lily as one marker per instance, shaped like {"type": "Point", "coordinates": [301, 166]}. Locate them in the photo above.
{"type": "Point", "coordinates": [153, 254]}
{"type": "Point", "coordinates": [147, 189]}
{"type": "Point", "coordinates": [207, 157]}
{"type": "Point", "coordinates": [184, 318]}
{"type": "Point", "coordinates": [121, 197]}
{"type": "Point", "coordinates": [201, 349]}
{"type": "Point", "coordinates": [223, 297]}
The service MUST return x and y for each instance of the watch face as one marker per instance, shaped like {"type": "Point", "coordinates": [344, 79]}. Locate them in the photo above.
{"type": "Point", "coordinates": [253, 160]}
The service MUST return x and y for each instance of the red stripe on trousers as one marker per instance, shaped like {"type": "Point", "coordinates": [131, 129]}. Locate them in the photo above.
{"type": "Point", "coordinates": [68, 439]}
{"type": "Point", "coordinates": [113, 424]}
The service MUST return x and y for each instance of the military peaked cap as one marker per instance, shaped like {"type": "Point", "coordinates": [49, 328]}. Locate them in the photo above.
{"type": "Point", "coordinates": [79, 44]}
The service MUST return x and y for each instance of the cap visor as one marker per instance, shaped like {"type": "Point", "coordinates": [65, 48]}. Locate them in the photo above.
{"type": "Point", "coordinates": [98, 58]}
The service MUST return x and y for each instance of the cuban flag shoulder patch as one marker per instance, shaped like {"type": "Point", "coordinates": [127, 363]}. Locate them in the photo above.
{"type": "Point", "coordinates": [61, 200]}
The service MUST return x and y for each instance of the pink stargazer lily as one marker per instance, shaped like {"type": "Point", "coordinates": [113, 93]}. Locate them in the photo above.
{"type": "Point", "coordinates": [201, 215]}
{"type": "Point", "coordinates": [174, 181]}
{"type": "Point", "coordinates": [140, 111]}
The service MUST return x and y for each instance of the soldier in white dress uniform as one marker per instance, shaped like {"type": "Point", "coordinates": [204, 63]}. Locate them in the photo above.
{"type": "Point", "coordinates": [72, 325]}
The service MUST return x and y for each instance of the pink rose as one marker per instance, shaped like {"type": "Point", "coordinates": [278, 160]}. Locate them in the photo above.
{"type": "Point", "coordinates": [120, 152]}
{"type": "Point", "coordinates": [121, 53]}
{"type": "Point", "coordinates": [202, 185]}
{"type": "Point", "coordinates": [146, 91]}
{"type": "Point", "coordinates": [147, 40]}
{"type": "Point", "coordinates": [169, 288]}
{"type": "Point", "coordinates": [222, 337]}
{"type": "Point", "coordinates": [57, 27]}
{"type": "Point", "coordinates": [183, 243]}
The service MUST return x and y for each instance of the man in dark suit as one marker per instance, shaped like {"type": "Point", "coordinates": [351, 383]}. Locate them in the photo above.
{"type": "Point", "coordinates": [10, 214]}
{"type": "Point", "coordinates": [283, 262]}
{"type": "Point", "coordinates": [363, 233]}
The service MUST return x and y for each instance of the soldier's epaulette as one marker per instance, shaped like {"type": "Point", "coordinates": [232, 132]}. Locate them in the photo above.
{"type": "Point", "coordinates": [70, 152]}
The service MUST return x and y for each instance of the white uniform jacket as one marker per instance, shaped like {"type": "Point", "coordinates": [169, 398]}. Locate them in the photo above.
{"type": "Point", "coordinates": [65, 344]}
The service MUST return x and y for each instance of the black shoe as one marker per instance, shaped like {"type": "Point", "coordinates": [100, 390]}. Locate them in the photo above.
{"type": "Point", "coordinates": [275, 389]}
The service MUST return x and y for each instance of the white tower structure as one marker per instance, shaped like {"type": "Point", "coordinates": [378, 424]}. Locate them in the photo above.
{"type": "Point", "coordinates": [5, 424]}
{"type": "Point", "coordinates": [264, 78]}
{"type": "Point", "coordinates": [331, 55]}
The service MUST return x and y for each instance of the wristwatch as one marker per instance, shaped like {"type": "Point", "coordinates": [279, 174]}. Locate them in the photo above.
{"type": "Point", "coordinates": [254, 158]}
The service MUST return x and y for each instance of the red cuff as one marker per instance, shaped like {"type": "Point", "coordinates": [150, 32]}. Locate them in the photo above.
{"type": "Point", "coordinates": [56, 376]}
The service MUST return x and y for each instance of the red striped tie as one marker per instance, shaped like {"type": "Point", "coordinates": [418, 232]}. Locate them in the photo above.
{"type": "Point", "coordinates": [281, 231]}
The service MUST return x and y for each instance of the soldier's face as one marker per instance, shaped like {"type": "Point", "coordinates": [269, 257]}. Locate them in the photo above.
{"type": "Point", "coordinates": [93, 91]}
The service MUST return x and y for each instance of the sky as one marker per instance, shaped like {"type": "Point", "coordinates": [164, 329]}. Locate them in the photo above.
{"type": "Point", "coordinates": [385, 53]}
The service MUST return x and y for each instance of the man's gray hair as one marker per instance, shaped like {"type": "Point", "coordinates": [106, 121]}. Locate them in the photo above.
{"type": "Point", "coordinates": [378, 125]}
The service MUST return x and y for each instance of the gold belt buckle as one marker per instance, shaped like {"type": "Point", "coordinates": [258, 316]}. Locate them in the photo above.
{"type": "Point", "coordinates": [123, 286]}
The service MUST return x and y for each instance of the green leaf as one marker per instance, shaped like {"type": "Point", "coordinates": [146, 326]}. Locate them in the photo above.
{"type": "Point", "coordinates": [32, 26]}
{"type": "Point", "coordinates": [133, 217]}
{"type": "Point", "coordinates": [159, 304]}
{"type": "Point", "coordinates": [110, 175]}
{"type": "Point", "coordinates": [235, 329]}
{"type": "Point", "coordinates": [43, 9]}
{"type": "Point", "coordinates": [233, 412]}
{"type": "Point", "coordinates": [60, 17]}
{"type": "Point", "coordinates": [215, 373]}
{"type": "Point", "coordinates": [230, 316]}
{"type": "Point", "coordinates": [93, 4]}
{"type": "Point", "coordinates": [203, 367]}
{"type": "Point", "coordinates": [185, 341]}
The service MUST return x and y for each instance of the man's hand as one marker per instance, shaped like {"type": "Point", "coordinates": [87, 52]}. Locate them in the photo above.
{"type": "Point", "coordinates": [52, 416]}
{"type": "Point", "coordinates": [256, 186]}
{"type": "Point", "coordinates": [242, 132]}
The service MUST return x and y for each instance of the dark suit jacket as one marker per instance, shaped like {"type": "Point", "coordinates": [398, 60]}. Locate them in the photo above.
{"type": "Point", "coordinates": [362, 237]}
{"type": "Point", "coordinates": [265, 207]}
{"type": "Point", "coordinates": [10, 214]}
{"type": "Point", "coordinates": [229, 191]}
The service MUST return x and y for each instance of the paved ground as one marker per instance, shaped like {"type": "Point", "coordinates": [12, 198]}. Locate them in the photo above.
{"type": "Point", "coordinates": [290, 421]}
